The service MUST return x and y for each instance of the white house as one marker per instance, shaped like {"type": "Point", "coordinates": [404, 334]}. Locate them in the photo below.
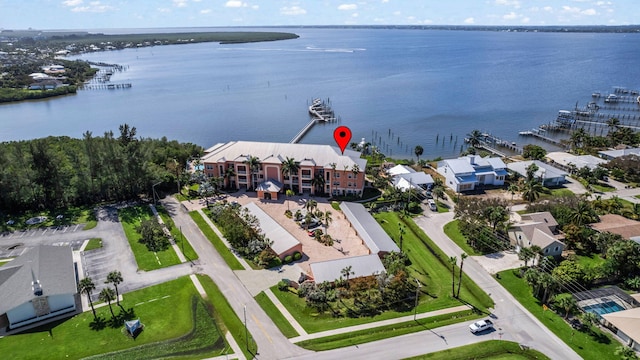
{"type": "Point", "coordinates": [38, 285]}
{"type": "Point", "coordinates": [612, 154]}
{"type": "Point", "coordinates": [469, 172]}
{"type": "Point", "coordinates": [537, 229]}
{"type": "Point", "coordinates": [331, 270]}
{"type": "Point", "coordinates": [567, 161]}
{"type": "Point", "coordinates": [549, 175]}
{"type": "Point", "coordinates": [404, 178]}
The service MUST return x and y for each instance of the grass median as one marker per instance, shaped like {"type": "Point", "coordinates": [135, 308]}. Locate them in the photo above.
{"type": "Point", "coordinates": [276, 316]}
{"type": "Point", "coordinates": [178, 236]}
{"type": "Point", "coordinates": [492, 349]}
{"type": "Point", "coordinates": [220, 247]}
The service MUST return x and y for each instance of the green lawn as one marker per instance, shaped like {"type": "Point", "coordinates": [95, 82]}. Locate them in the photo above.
{"type": "Point", "coordinates": [427, 266]}
{"type": "Point", "coordinates": [272, 311]}
{"type": "Point", "coordinates": [222, 249]}
{"type": "Point", "coordinates": [227, 318]}
{"type": "Point", "coordinates": [131, 217]}
{"type": "Point", "coordinates": [181, 241]}
{"type": "Point", "coordinates": [589, 262]}
{"type": "Point", "coordinates": [490, 350]}
{"type": "Point", "coordinates": [94, 243]}
{"type": "Point", "coordinates": [453, 232]}
{"type": "Point", "coordinates": [70, 216]}
{"type": "Point", "coordinates": [166, 310]}
{"type": "Point", "coordinates": [602, 187]}
{"type": "Point", "coordinates": [596, 346]}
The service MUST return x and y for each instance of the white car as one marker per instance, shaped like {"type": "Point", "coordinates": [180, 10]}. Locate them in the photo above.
{"type": "Point", "coordinates": [481, 325]}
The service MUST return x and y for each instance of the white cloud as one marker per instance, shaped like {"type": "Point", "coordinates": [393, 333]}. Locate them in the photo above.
{"type": "Point", "coordinates": [180, 3]}
{"type": "Point", "coordinates": [255, 7]}
{"type": "Point", "coordinates": [347, 7]}
{"type": "Point", "coordinates": [510, 16]}
{"type": "Point", "coordinates": [93, 7]}
{"type": "Point", "coordinates": [397, 13]}
{"type": "Point", "coordinates": [514, 3]}
{"type": "Point", "coordinates": [547, 8]}
{"type": "Point", "coordinates": [72, 2]}
{"type": "Point", "coordinates": [354, 15]}
{"type": "Point", "coordinates": [205, 11]}
{"type": "Point", "coordinates": [385, 1]}
{"type": "Point", "coordinates": [469, 20]}
{"type": "Point", "coordinates": [293, 10]}
{"type": "Point", "coordinates": [569, 9]}
{"type": "Point", "coordinates": [235, 4]}
{"type": "Point", "coordinates": [164, 10]}
{"type": "Point", "coordinates": [589, 12]}
{"type": "Point", "coordinates": [525, 20]}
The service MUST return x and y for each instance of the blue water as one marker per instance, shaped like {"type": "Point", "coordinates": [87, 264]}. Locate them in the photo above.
{"type": "Point", "coordinates": [427, 88]}
{"type": "Point", "coordinates": [604, 308]}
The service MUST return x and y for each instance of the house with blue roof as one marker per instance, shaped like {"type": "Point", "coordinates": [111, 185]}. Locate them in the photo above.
{"type": "Point", "coordinates": [472, 171]}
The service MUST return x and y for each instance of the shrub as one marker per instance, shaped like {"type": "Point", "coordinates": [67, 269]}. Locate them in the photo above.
{"type": "Point", "coordinates": [287, 259]}
{"type": "Point", "coordinates": [288, 213]}
{"type": "Point", "coordinates": [297, 256]}
{"type": "Point", "coordinates": [283, 285]}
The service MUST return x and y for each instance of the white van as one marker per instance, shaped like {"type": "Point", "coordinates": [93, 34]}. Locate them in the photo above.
{"type": "Point", "coordinates": [432, 205]}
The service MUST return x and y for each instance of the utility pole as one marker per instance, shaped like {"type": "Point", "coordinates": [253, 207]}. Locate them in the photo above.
{"type": "Point", "coordinates": [246, 332]}
{"type": "Point", "coordinates": [153, 188]}
{"type": "Point", "coordinates": [415, 308]}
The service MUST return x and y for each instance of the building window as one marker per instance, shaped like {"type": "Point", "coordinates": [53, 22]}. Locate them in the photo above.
{"type": "Point", "coordinates": [546, 251]}
{"type": "Point", "coordinates": [557, 248]}
{"type": "Point", "coordinates": [209, 167]}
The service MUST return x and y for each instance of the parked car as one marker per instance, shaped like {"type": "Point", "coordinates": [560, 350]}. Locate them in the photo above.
{"type": "Point", "coordinates": [429, 194]}
{"type": "Point", "coordinates": [313, 233]}
{"type": "Point", "coordinates": [314, 223]}
{"type": "Point", "coordinates": [432, 205]}
{"type": "Point", "coordinates": [480, 326]}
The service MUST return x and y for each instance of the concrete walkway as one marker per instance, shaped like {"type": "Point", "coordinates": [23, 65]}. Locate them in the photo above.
{"type": "Point", "coordinates": [376, 324]}
{"type": "Point", "coordinates": [283, 310]}
{"type": "Point", "coordinates": [242, 261]}
{"type": "Point", "coordinates": [168, 233]}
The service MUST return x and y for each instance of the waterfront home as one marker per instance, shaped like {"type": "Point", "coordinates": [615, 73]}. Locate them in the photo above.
{"type": "Point", "coordinates": [616, 153]}
{"type": "Point", "coordinates": [37, 286]}
{"type": "Point", "coordinates": [618, 224]}
{"type": "Point", "coordinates": [626, 325]}
{"type": "Point", "coordinates": [469, 172]}
{"type": "Point", "coordinates": [321, 169]}
{"type": "Point", "coordinates": [404, 178]}
{"type": "Point", "coordinates": [570, 162]}
{"type": "Point", "coordinates": [283, 243]}
{"type": "Point", "coordinates": [548, 175]}
{"type": "Point", "coordinates": [537, 229]}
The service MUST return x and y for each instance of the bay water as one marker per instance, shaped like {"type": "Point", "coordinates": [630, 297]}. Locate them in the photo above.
{"type": "Point", "coordinates": [397, 88]}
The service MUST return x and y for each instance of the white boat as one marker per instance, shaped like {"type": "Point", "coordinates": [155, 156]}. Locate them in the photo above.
{"type": "Point", "coordinates": [525, 133]}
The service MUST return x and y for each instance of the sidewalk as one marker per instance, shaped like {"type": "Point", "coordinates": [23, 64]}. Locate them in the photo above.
{"type": "Point", "coordinates": [244, 264]}
{"type": "Point", "coordinates": [376, 324]}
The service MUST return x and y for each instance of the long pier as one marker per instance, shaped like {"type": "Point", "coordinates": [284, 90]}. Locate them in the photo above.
{"type": "Point", "coordinates": [320, 112]}
{"type": "Point", "coordinates": [106, 86]}
{"type": "Point", "coordinates": [541, 137]}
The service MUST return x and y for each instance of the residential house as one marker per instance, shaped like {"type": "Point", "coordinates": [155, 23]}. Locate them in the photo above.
{"type": "Point", "coordinates": [321, 168]}
{"type": "Point", "coordinates": [617, 224]}
{"type": "Point", "coordinates": [404, 178]}
{"type": "Point", "coordinates": [550, 176]}
{"type": "Point", "coordinates": [37, 286]}
{"type": "Point", "coordinates": [539, 229]}
{"type": "Point", "coordinates": [616, 153]}
{"type": "Point", "coordinates": [569, 162]}
{"type": "Point", "coordinates": [283, 243]}
{"type": "Point", "coordinates": [469, 172]}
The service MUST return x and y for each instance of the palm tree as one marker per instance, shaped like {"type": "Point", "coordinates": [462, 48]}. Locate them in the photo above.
{"type": "Point", "coordinates": [525, 254]}
{"type": "Point", "coordinates": [311, 206]}
{"type": "Point", "coordinates": [346, 272]}
{"type": "Point", "coordinates": [87, 286]}
{"type": "Point", "coordinates": [582, 214]}
{"type": "Point", "coordinates": [418, 151]}
{"type": "Point", "coordinates": [462, 257]}
{"type": "Point", "coordinates": [452, 261]}
{"type": "Point", "coordinates": [513, 189]}
{"type": "Point", "coordinates": [327, 219]}
{"type": "Point", "coordinates": [535, 249]}
{"type": "Point", "coordinates": [531, 190]}
{"type": "Point", "coordinates": [613, 124]}
{"type": "Point", "coordinates": [578, 138]}
{"type": "Point", "coordinates": [229, 174]}
{"type": "Point", "coordinates": [355, 169]}
{"type": "Point", "coordinates": [475, 137]}
{"type": "Point", "coordinates": [107, 294]}
{"type": "Point", "coordinates": [401, 230]}
{"type": "Point", "coordinates": [253, 163]}
{"type": "Point", "coordinates": [115, 278]}
{"type": "Point", "coordinates": [625, 353]}
{"type": "Point", "coordinates": [289, 168]}
{"type": "Point", "coordinates": [565, 301]}
{"type": "Point", "coordinates": [289, 193]}
{"type": "Point", "coordinates": [318, 182]}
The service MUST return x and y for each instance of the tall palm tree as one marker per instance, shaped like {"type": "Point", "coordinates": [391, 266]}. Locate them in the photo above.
{"type": "Point", "coordinates": [401, 230]}
{"type": "Point", "coordinates": [311, 206]}
{"type": "Point", "coordinates": [107, 294]}
{"type": "Point", "coordinates": [531, 190]}
{"type": "Point", "coordinates": [289, 168]}
{"type": "Point", "coordinates": [578, 138]}
{"type": "Point", "coordinates": [326, 217]}
{"type": "Point", "coordinates": [318, 182]}
{"type": "Point", "coordinates": [289, 193]}
{"type": "Point", "coordinates": [513, 189]}
{"type": "Point", "coordinates": [87, 286]}
{"type": "Point", "coordinates": [582, 214]}
{"type": "Point", "coordinates": [462, 257]}
{"type": "Point", "coordinates": [115, 278]}
{"type": "Point", "coordinates": [418, 151]}
{"type": "Point", "coordinates": [229, 174]}
{"type": "Point", "coordinates": [346, 272]}
{"type": "Point", "coordinates": [475, 137]}
{"type": "Point", "coordinates": [452, 261]}
{"type": "Point", "coordinates": [253, 163]}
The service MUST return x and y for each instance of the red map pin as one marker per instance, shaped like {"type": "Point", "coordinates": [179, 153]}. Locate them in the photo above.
{"type": "Point", "coordinates": [342, 136]}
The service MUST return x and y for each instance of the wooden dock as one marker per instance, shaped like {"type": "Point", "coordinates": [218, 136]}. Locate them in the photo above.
{"type": "Point", "coordinates": [320, 111]}
{"type": "Point", "coordinates": [103, 86]}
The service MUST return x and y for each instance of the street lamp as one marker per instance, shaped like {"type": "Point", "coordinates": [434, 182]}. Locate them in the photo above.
{"type": "Point", "coordinates": [415, 308]}
{"type": "Point", "coordinates": [246, 332]}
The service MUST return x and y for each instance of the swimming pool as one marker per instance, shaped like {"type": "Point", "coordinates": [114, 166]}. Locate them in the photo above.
{"type": "Point", "coordinates": [604, 308]}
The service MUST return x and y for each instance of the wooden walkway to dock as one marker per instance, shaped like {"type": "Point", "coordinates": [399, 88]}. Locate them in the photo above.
{"type": "Point", "coordinates": [106, 86]}
{"type": "Point", "coordinates": [319, 111]}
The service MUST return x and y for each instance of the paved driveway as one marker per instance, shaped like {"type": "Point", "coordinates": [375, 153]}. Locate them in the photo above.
{"type": "Point", "coordinates": [496, 262]}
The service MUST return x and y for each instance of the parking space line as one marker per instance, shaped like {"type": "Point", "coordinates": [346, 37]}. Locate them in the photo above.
{"type": "Point", "coordinates": [65, 229]}
{"type": "Point", "coordinates": [76, 228]}
{"type": "Point", "coordinates": [45, 231]}
{"type": "Point", "coordinates": [23, 234]}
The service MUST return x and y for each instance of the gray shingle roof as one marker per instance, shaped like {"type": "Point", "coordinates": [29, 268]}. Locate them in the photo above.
{"type": "Point", "coordinates": [365, 265]}
{"type": "Point", "coordinates": [52, 266]}
{"type": "Point", "coordinates": [368, 228]}
{"type": "Point", "coordinates": [283, 241]}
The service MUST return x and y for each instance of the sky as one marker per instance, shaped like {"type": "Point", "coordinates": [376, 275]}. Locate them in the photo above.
{"type": "Point", "coordinates": [103, 14]}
